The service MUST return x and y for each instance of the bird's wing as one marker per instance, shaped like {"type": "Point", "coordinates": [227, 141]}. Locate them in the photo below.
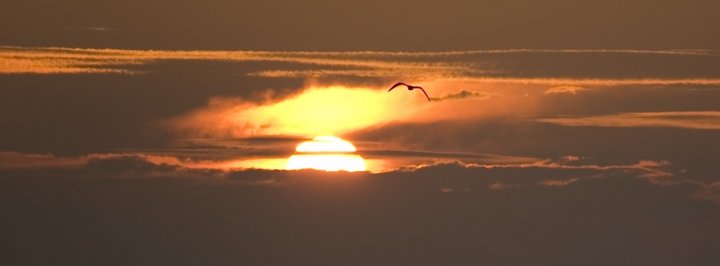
{"type": "Point", "coordinates": [397, 84]}
{"type": "Point", "coordinates": [426, 95]}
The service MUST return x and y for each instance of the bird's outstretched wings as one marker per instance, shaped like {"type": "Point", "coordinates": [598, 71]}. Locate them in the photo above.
{"type": "Point", "coordinates": [410, 87]}
{"type": "Point", "coordinates": [397, 84]}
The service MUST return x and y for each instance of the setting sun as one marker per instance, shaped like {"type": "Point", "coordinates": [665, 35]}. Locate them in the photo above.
{"type": "Point", "coordinates": [326, 153]}
{"type": "Point", "coordinates": [405, 132]}
{"type": "Point", "coordinates": [326, 144]}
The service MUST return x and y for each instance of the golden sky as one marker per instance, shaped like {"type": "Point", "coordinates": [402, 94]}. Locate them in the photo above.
{"type": "Point", "coordinates": [262, 132]}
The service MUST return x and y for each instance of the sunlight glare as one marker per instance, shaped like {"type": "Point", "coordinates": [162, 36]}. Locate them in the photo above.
{"type": "Point", "coordinates": [332, 110]}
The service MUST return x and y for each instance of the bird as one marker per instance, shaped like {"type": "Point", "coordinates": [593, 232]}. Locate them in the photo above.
{"type": "Point", "coordinates": [409, 87]}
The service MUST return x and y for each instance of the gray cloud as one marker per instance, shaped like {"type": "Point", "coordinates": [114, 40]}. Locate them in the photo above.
{"type": "Point", "coordinates": [526, 171]}
{"type": "Point", "coordinates": [149, 211]}
{"type": "Point", "coordinates": [618, 145]}
{"type": "Point", "coordinates": [463, 94]}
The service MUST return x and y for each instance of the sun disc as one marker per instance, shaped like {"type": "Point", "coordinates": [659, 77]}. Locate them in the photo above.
{"type": "Point", "coordinates": [327, 153]}
{"type": "Point", "coordinates": [326, 144]}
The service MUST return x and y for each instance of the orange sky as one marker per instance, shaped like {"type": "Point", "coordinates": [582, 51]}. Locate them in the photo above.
{"type": "Point", "coordinates": [261, 132]}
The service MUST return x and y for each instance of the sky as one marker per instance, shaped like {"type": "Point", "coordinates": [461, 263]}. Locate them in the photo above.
{"type": "Point", "coordinates": [178, 132]}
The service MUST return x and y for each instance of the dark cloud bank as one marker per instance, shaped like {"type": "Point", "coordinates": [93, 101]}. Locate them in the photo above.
{"type": "Point", "coordinates": [126, 211]}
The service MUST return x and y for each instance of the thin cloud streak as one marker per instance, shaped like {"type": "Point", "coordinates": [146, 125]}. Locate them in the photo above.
{"type": "Point", "coordinates": [28, 161]}
{"type": "Point", "coordinates": [463, 94]}
{"type": "Point", "coordinates": [73, 60]}
{"type": "Point", "coordinates": [604, 82]}
{"type": "Point", "coordinates": [564, 90]}
{"type": "Point", "coordinates": [704, 120]}
{"type": "Point", "coordinates": [646, 168]}
{"type": "Point", "coordinates": [452, 65]}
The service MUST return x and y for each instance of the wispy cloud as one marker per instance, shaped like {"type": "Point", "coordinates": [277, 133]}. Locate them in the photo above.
{"type": "Point", "coordinates": [710, 192]}
{"type": "Point", "coordinates": [558, 182]}
{"type": "Point", "coordinates": [646, 168]}
{"type": "Point", "coordinates": [91, 28]}
{"type": "Point", "coordinates": [564, 90]}
{"type": "Point", "coordinates": [598, 82]}
{"type": "Point", "coordinates": [709, 120]}
{"type": "Point", "coordinates": [15, 160]}
{"type": "Point", "coordinates": [463, 94]}
{"type": "Point", "coordinates": [20, 161]}
{"type": "Point", "coordinates": [475, 66]}
{"type": "Point", "coordinates": [196, 160]}
{"type": "Point", "coordinates": [79, 60]}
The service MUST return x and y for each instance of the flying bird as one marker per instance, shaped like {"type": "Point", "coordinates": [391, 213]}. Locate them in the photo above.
{"type": "Point", "coordinates": [409, 87]}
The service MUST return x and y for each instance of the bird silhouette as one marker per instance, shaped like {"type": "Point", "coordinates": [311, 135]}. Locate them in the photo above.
{"type": "Point", "coordinates": [410, 87]}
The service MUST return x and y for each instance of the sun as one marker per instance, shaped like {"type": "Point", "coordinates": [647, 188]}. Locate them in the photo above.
{"type": "Point", "coordinates": [327, 153]}
{"type": "Point", "coordinates": [326, 144]}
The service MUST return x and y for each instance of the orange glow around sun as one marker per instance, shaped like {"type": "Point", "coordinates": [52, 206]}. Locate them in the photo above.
{"type": "Point", "coordinates": [314, 112]}
{"type": "Point", "coordinates": [320, 111]}
{"type": "Point", "coordinates": [326, 153]}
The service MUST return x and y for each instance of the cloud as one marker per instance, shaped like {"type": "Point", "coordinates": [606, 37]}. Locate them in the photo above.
{"type": "Point", "coordinates": [152, 165]}
{"type": "Point", "coordinates": [558, 183]}
{"type": "Point", "coordinates": [463, 94]}
{"type": "Point", "coordinates": [474, 66]}
{"type": "Point", "coordinates": [78, 60]}
{"type": "Point", "coordinates": [570, 158]}
{"type": "Point", "coordinates": [564, 89]}
{"type": "Point", "coordinates": [149, 203]}
{"type": "Point", "coordinates": [654, 171]}
{"type": "Point", "coordinates": [91, 28]}
{"type": "Point", "coordinates": [30, 161]}
{"type": "Point", "coordinates": [150, 211]}
{"type": "Point", "coordinates": [98, 28]}
{"type": "Point", "coordinates": [710, 192]}
{"type": "Point", "coordinates": [15, 160]}
{"type": "Point", "coordinates": [339, 110]}
{"type": "Point", "coordinates": [243, 155]}
{"type": "Point", "coordinates": [704, 120]}
{"type": "Point", "coordinates": [602, 82]}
